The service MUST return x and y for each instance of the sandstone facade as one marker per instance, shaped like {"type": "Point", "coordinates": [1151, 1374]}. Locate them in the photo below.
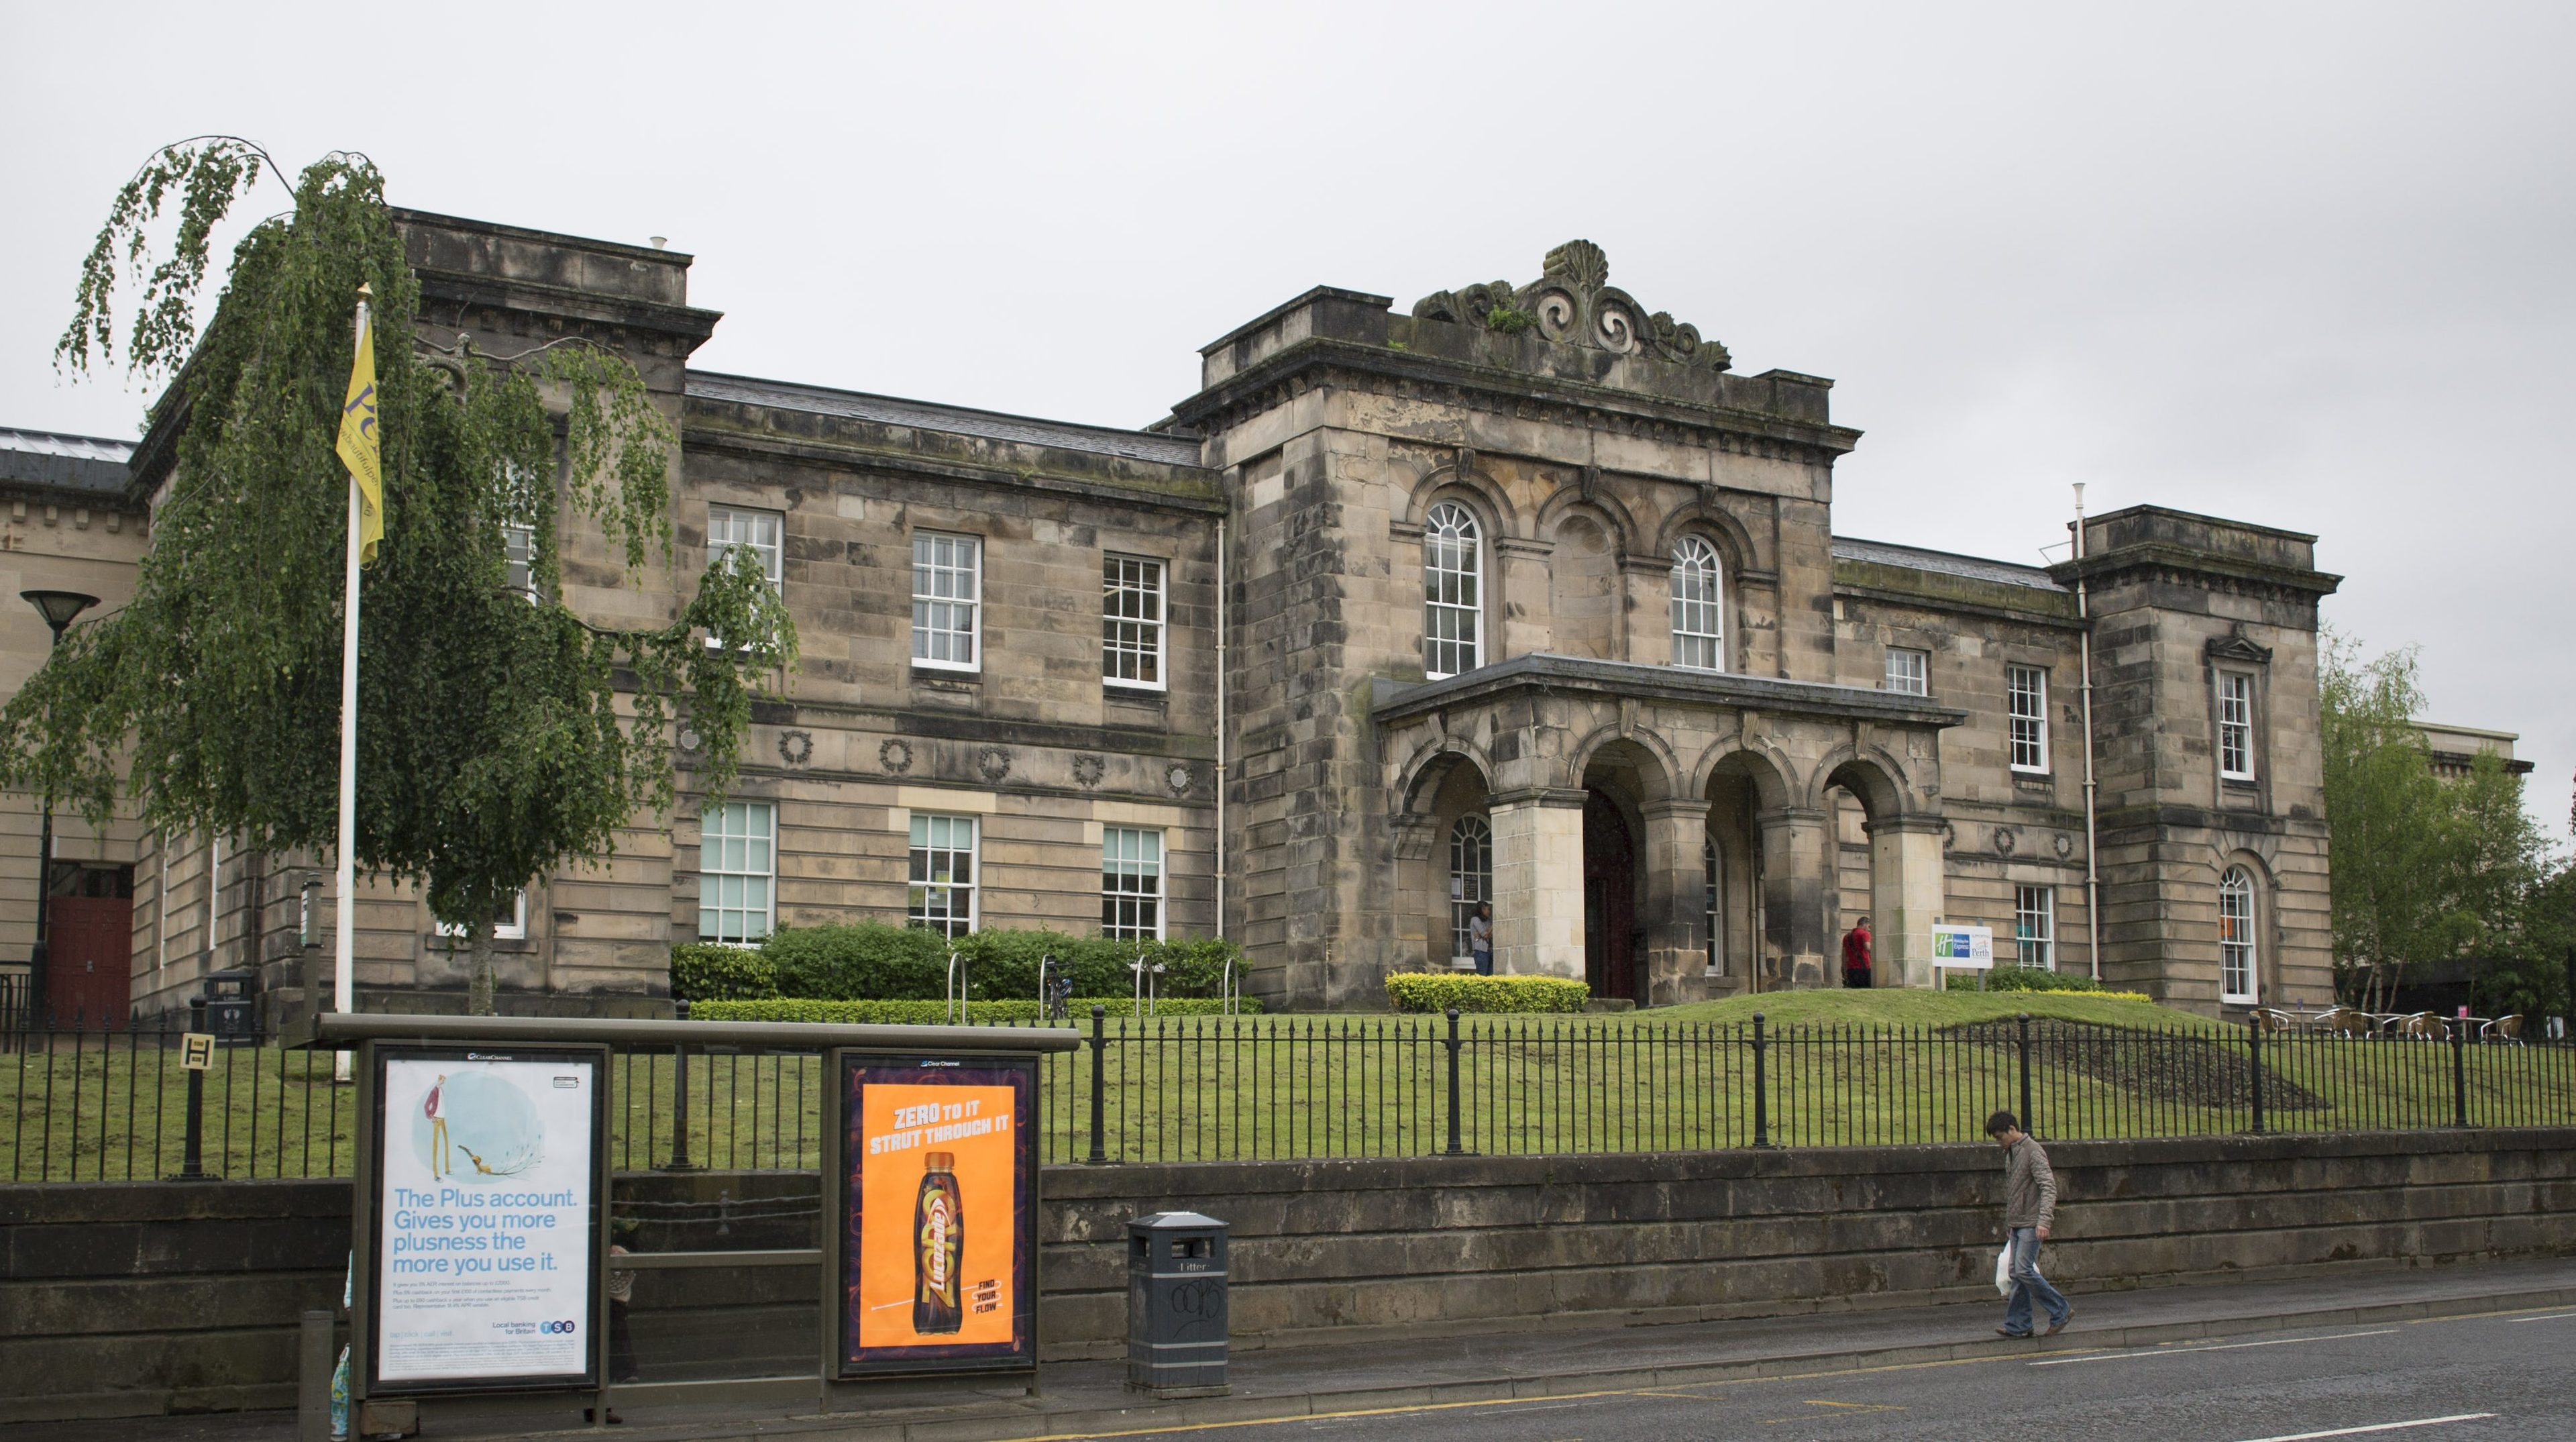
{"type": "Point", "coordinates": [1524, 595]}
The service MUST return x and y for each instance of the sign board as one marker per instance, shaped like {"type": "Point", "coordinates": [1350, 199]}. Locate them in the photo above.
{"type": "Point", "coordinates": [938, 1210]}
{"type": "Point", "coordinates": [1966, 948]}
{"type": "Point", "coordinates": [197, 1050]}
{"type": "Point", "coordinates": [487, 1219]}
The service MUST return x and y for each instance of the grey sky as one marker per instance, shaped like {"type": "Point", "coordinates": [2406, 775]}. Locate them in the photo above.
{"type": "Point", "coordinates": [2302, 265]}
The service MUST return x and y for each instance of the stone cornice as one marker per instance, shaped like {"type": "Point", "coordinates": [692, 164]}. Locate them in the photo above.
{"type": "Point", "coordinates": [1629, 680]}
{"type": "Point", "coordinates": [1328, 361]}
{"type": "Point", "coordinates": [699, 432]}
{"type": "Point", "coordinates": [2168, 561]}
{"type": "Point", "coordinates": [447, 295]}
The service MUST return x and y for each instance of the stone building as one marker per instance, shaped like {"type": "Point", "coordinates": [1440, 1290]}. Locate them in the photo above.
{"type": "Point", "coordinates": [1523, 595]}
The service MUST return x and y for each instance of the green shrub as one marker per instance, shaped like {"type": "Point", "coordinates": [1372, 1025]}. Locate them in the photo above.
{"type": "Point", "coordinates": [934, 1013]}
{"type": "Point", "coordinates": [701, 971]}
{"type": "Point", "coordinates": [1439, 991]}
{"type": "Point", "coordinates": [872, 961]}
{"type": "Point", "coordinates": [2035, 978]}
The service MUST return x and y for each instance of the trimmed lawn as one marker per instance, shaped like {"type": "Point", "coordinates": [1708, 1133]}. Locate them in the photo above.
{"type": "Point", "coordinates": [1893, 1006]}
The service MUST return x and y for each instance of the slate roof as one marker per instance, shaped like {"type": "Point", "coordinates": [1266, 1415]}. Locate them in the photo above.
{"type": "Point", "coordinates": [1915, 558]}
{"type": "Point", "coordinates": [79, 463]}
{"type": "Point", "coordinates": [930, 416]}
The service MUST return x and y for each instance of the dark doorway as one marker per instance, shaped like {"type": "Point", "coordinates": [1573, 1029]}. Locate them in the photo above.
{"type": "Point", "coordinates": [1609, 899]}
{"type": "Point", "coordinates": [89, 945]}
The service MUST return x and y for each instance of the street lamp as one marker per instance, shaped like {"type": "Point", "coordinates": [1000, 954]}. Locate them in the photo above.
{"type": "Point", "coordinates": [59, 608]}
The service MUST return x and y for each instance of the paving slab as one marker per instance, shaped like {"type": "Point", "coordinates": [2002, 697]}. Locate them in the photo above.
{"type": "Point", "coordinates": [1090, 1399]}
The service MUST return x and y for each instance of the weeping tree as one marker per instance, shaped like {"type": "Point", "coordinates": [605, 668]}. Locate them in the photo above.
{"type": "Point", "coordinates": [501, 735]}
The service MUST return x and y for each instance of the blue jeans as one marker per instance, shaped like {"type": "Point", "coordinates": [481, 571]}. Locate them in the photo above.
{"type": "Point", "coordinates": [1484, 962]}
{"type": "Point", "coordinates": [2028, 1283]}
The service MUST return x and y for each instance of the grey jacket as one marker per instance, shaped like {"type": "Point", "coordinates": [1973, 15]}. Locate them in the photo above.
{"type": "Point", "coordinates": [2030, 1188]}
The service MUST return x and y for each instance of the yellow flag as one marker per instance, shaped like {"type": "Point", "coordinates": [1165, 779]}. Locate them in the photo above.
{"type": "Point", "coordinates": [358, 449]}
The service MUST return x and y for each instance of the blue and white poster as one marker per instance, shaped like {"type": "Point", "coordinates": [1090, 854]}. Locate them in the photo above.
{"type": "Point", "coordinates": [484, 1218]}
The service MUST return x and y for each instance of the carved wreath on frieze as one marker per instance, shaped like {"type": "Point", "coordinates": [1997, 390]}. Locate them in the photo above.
{"type": "Point", "coordinates": [1573, 303]}
{"type": "Point", "coordinates": [796, 747]}
{"type": "Point", "coordinates": [1089, 769]}
{"type": "Point", "coordinates": [995, 764]}
{"type": "Point", "coordinates": [895, 756]}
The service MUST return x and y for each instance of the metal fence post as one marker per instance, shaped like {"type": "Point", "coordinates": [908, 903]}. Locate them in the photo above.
{"type": "Point", "coordinates": [2029, 1124]}
{"type": "Point", "coordinates": [192, 1156]}
{"type": "Point", "coordinates": [1099, 1084]}
{"type": "Point", "coordinates": [1761, 1092]}
{"type": "Point", "coordinates": [2459, 1073]}
{"type": "Point", "coordinates": [2254, 1062]}
{"type": "Point", "coordinates": [316, 1359]}
{"type": "Point", "coordinates": [680, 1098]}
{"type": "Point", "coordinates": [1454, 1147]}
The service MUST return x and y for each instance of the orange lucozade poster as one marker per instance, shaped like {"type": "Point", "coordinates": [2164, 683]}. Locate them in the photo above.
{"type": "Point", "coordinates": [941, 1179]}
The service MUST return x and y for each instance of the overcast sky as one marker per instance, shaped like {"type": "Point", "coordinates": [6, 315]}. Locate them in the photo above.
{"type": "Point", "coordinates": [2309, 266]}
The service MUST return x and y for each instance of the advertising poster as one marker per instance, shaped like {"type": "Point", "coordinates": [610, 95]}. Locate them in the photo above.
{"type": "Point", "coordinates": [939, 1270]}
{"type": "Point", "coordinates": [484, 1222]}
{"type": "Point", "coordinates": [1963, 947]}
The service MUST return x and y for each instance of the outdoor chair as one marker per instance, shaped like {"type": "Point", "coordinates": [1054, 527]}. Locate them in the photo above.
{"type": "Point", "coordinates": [2349, 1021]}
{"type": "Point", "coordinates": [2271, 1021]}
{"type": "Point", "coordinates": [2503, 1029]}
{"type": "Point", "coordinates": [2422, 1025]}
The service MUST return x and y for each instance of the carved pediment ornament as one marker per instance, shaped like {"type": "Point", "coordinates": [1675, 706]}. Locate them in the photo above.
{"type": "Point", "coordinates": [1573, 303]}
{"type": "Point", "coordinates": [2235, 647]}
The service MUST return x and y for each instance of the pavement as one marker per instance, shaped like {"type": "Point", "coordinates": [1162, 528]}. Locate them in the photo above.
{"type": "Point", "coordinates": [1410, 1386]}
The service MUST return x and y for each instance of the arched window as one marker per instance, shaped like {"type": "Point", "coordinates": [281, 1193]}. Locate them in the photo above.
{"type": "Point", "coordinates": [1453, 593]}
{"type": "Point", "coordinates": [1471, 877]}
{"type": "Point", "coordinates": [1699, 606]}
{"type": "Point", "coordinates": [2236, 937]}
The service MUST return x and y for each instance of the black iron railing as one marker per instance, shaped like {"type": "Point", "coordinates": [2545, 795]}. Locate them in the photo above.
{"type": "Point", "coordinates": [88, 1105]}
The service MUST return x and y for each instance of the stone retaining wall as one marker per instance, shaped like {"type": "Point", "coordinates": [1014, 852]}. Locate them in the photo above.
{"type": "Point", "coordinates": [130, 1298]}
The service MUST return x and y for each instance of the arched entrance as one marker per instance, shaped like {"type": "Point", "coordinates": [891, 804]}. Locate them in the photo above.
{"type": "Point", "coordinates": [1609, 898]}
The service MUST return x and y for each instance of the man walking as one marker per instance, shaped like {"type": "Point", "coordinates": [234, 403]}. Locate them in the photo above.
{"type": "Point", "coordinates": [2030, 1209]}
{"type": "Point", "coordinates": [1856, 956]}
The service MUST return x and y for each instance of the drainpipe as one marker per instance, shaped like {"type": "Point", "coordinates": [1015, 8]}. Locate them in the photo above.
{"type": "Point", "coordinates": [1220, 730]}
{"type": "Point", "coordinates": [2092, 871]}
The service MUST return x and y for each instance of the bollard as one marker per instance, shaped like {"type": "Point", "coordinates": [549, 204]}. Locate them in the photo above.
{"type": "Point", "coordinates": [1454, 1147]}
{"type": "Point", "coordinates": [680, 1097]}
{"type": "Point", "coordinates": [316, 1360]}
{"type": "Point", "coordinates": [1761, 1090]}
{"type": "Point", "coordinates": [1099, 1085]}
{"type": "Point", "coordinates": [192, 1157]}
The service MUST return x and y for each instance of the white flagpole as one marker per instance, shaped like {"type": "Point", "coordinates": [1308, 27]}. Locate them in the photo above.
{"type": "Point", "coordinates": [344, 970]}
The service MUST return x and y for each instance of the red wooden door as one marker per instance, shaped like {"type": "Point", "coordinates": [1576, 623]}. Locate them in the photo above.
{"type": "Point", "coordinates": [89, 959]}
{"type": "Point", "coordinates": [1609, 899]}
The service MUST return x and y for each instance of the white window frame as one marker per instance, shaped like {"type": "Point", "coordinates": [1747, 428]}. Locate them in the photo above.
{"type": "Point", "coordinates": [515, 929]}
{"type": "Point", "coordinates": [738, 854]}
{"type": "Point", "coordinates": [2239, 951]}
{"type": "Point", "coordinates": [1133, 621]}
{"type": "Point", "coordinates": [1907, 671]}
{"type": "Point", "coordinates": [519, 559]}
{"type": "Point", "coordinates": [1453, 591]}
{"type": "Point", "coordinates": [2035, 926]}
{"type": "Point", "coordinates": [2236, 725]}
{"type": "Point", "coordinates": [2026, 718]}
{"type": "Point", "coordinates": [937, 557]}
{"type": "Point", "coordinates": [1471, 880]}
{"type": "Point", "coordinates": [1131, 882]}
{"type": "Point", "coordinates": [731, 526]}
{"type": "Point", "coordinates": [1710, 862]}
{"type": "Point", "coordinates": [1699, 605]}
{"type": "Point", "coordinates": [934, 839]}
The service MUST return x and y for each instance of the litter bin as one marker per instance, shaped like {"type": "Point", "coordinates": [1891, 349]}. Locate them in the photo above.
{"type": "Point", "coordinates": [1176, 1305]}
{"type": "Point", "coordinates": [232, 1013]}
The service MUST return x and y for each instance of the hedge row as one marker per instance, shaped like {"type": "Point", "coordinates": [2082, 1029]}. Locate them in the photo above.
{"type": "Point", "coordinates": [871, 961]}
{"type": "Point", "coordinates": [1439, 991]}
{"type": "Point", "coordinates": [935, 1013]}
{"type": "Point", "coordinates": [2040, 978]}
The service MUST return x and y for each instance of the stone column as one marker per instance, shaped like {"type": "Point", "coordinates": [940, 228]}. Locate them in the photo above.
{"type": "Point", "coordinates": [1676, 896]}
{"type": "Point", "coordinates": [1797, 941]}
{"type": "Point", "coordinates": [1908, 888]}
{"type": "Point", "coordinates": [1538, 882]}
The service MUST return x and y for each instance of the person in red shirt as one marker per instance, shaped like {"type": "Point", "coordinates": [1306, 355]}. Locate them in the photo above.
{"type": "Point", "coordinates": [1856, 955]}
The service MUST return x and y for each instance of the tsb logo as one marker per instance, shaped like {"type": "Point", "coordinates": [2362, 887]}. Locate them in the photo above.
{"type": "Point", "coordinates": [555, 1327]}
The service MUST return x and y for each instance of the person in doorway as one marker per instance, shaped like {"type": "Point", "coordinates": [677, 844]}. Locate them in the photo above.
{"type": "Point", "coordinates": [1480, 938]}
{"type": "Point", "coordinates": [2030, 1210]}
{"type": "Point", "coordinates": [1856, 956]}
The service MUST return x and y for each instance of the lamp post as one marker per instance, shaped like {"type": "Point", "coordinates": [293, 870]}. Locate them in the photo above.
{"type": "Point", "coordinates": [59, 608]}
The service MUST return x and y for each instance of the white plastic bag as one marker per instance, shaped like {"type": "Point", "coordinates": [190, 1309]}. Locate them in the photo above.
{"type": "Point", "coordinates": [2003, 1271]}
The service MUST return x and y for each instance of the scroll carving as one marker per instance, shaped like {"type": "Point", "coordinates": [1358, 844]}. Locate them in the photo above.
{"type": "Point", "coordinates": [1573, 303]}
